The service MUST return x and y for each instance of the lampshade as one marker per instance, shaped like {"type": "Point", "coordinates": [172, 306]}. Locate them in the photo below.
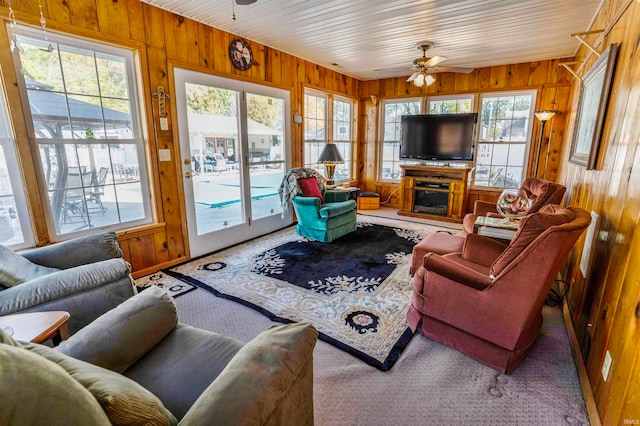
{"type": "Point", "coordinates": [545, 115]}
{"type": "Point", "coordinates": [419, 78]}
{"type": "Point", "coordinates": [330, 154]}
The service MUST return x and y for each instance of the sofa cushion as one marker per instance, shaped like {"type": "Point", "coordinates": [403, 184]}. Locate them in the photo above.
{"type": "Point", "coordinates": [309, 187]}
{"type": "Point", "coordinates": [36, 391]}
{"type": "Point", "coordinates": [124, 401]}
{"type": "Point", "coordinates": [190, 359]}
{"type": "Point", "coordinates": [15, 269]}
{"type": "Point", "coordinates": [529, 228]}
{"type": "Point", "coordinates": [119, 337]}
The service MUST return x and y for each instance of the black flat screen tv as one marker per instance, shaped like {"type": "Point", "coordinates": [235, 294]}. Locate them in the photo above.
{"type": "Point", "coordinates": [438, 137]}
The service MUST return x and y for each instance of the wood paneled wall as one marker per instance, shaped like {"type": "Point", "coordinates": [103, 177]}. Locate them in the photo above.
{"type": "Point", "coordinates": [605, 307]}
{"type": "Point", "coordinates": [551, 82]}
{"type": "Point", "coordinates": [162, 40]}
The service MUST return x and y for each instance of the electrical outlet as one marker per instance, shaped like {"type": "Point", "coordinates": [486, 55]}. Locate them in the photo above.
{"type": "Point", "coordinates": [606, 365]}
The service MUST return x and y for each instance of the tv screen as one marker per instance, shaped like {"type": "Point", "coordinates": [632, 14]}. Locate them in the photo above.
{"type": "Point", "coordinates": [438, 137]}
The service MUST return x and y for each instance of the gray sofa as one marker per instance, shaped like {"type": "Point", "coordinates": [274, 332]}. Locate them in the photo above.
{"type": "Point", "coordinates": [137, 365]}
{"type": "Point", "coordinates": [92, 279]}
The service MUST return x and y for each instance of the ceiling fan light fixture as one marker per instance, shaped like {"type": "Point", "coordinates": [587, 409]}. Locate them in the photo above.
{"type": "Point", "coordinates": [421, 78]}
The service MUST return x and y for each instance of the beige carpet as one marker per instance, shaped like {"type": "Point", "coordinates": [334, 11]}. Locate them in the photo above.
{"type": "Point", "coordinates": [430, 384]}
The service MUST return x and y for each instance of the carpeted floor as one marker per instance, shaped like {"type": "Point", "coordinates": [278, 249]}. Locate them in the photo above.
{"type": "Point", "coordinates": [430, 384]}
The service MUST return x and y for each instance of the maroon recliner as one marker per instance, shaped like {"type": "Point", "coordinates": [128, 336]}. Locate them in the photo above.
{"type": "Point", "coordinates": [540, 191]}
{"type": "Point", "coordinates": [486, 301]}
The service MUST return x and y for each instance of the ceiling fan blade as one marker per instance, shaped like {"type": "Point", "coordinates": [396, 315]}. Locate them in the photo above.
{"type": "Point", "coordinates": [434, 70]}
{"type": "Point", "coordinates": [245, 2]}
{"type": "Point", "coordinates": [413, 76]}
{"type": "Point", "coordinates": [434, 61]}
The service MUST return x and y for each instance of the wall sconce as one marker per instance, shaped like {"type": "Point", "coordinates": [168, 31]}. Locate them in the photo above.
{"type": "Point", "coordinates": [543, 116]}
{"type": "Point", "coordinates": [330, 156]}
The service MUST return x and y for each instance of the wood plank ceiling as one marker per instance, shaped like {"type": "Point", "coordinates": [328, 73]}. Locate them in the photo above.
{"type": "Point", "coordinates": [374, 39]}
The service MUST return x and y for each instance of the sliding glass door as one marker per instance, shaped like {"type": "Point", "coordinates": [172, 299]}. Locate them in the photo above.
{"type": "Point", "coordinates": [234, 148]}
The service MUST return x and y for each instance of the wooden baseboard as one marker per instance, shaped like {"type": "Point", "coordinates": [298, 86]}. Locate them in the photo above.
{"type": "Point", "coordinates": [587, 392]}
{"type": "Point", "coordinates": [156, 268]}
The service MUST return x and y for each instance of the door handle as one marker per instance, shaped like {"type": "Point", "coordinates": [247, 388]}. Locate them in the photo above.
{"type": "Point", "coordinates": [187, 175]}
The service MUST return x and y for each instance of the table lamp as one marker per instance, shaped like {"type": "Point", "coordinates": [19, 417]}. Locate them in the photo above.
{"type": "Point", "coordinates": [330, 156]}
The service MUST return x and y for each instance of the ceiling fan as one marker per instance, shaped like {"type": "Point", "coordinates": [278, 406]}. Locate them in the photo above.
{"type": "Point", "coordinates": [425, 66]}
{"type": "Point", "coordinates": [245, 2]}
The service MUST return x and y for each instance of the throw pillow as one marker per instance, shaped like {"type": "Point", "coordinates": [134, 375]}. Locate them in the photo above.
{"type": "Point", "coordinates": [124, 401]}
{"type": "Point", "coordinates": [15, 269]}
{"type": "Point", "coordinates": [529, 228]}
{"type": "Point", "coordinates": [309, 187]}
{"type": "Point", "coordinates": [36, 391]}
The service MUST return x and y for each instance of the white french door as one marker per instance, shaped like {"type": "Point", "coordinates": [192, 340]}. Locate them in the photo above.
{"type": "Point", "coordinates": [234, 145]}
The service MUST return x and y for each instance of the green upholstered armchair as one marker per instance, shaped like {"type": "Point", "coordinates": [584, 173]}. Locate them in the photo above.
{"type": "Point", "coordinates": [323, 215]}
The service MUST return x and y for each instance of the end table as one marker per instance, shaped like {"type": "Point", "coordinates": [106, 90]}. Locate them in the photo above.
{"type": "Point", "coordinates": [37, 327]}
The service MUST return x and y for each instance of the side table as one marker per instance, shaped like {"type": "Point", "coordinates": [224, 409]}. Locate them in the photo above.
{"type": "Point", "coordinates": [495, 227]}
{"type": "Point", "coordinates": [37, 327]}
{"type": "Point", "coordinates": [352, 190]}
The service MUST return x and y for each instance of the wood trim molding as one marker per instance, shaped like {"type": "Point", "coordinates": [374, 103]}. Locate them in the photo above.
{"type": "Point", "coordinates": [156, 268]}
{"type": "Point", "coordinates": [587, 392]}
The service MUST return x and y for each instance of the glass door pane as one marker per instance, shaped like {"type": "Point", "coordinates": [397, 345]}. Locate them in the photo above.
{"type": "Point", "coordinates": [212, 121]}
{"type": "Point", "coordinates": [265, 128]}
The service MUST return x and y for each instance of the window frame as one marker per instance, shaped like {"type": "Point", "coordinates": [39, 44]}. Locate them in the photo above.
{"type": "Point", "coordinates": [8, 146]}
{"type": "Point", "coordinates": [138, 138]}
{"type": "Point", "coordinates": [472, 96]}
{"type": "Point", "coordinates": [330, 128]}
{"type": "Point", "coordinates": [527, 142]}
{"type": "Point", "coordinates": [381, 145]}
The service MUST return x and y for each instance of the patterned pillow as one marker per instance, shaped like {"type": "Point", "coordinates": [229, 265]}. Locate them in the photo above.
{"type": "Point", "coordinates": [309, 187]}
{"type": "Point", "coordinates": [15, 269]}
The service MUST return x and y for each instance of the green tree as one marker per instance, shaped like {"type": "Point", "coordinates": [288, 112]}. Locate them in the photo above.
{"type": "Point", "coordinates": [210, 100]}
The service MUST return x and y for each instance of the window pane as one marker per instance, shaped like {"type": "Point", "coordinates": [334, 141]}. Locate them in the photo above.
{"type": "Point", "coordinates": [79, 71]}
{"type": "Point", "coordinates": [80, 95]}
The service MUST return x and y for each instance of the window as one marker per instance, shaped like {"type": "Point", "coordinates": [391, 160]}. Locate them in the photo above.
{"type": "Point", "coordinates": [15, 231]}
{"type": "Point", "coordinates": [315, 125]}
{"type": "Point", "coordinates": [450, 105]}
{"type": "Point", "coordinates": [391, 131]}
{"type": "Point", "coordinates": [318, 130]}
{"type": "Point", "coordinates": [503, 135]}
{"type": "Point", "coordinates": [83, 118]}
{"type": "Point", "coordinates": [342, 136]}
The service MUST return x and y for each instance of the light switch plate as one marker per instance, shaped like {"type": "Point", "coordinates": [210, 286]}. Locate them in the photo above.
{"type": "Point", "coordinates": [297, 119]}
{"type": "Point", "coordinates": [164, 154]}
{"type": "Point", "coordinates": [164, 123]}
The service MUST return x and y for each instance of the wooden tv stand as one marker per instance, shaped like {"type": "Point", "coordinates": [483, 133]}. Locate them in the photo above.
{"type": "Point", "coordinates": [435, 192]}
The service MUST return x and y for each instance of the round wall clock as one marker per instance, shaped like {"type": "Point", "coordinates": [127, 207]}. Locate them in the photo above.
{"type": "Point", "coordinates": [240, 54]}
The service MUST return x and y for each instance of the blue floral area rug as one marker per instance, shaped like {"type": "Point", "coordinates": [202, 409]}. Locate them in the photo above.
{"type": "Point", "coordinates": [355, 291]}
